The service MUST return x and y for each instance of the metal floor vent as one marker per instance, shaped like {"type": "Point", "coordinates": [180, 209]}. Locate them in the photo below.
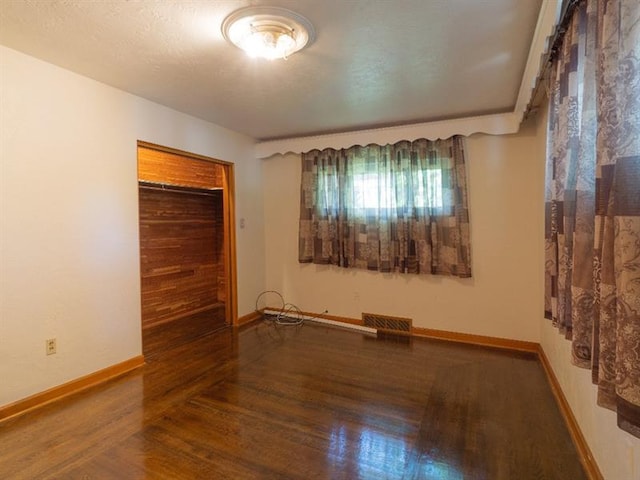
{"type": "Point", "coordinates": [387, 324]}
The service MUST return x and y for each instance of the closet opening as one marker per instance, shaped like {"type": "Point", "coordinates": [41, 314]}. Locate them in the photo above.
{"type": "Point", "coordinates": [187, 246]}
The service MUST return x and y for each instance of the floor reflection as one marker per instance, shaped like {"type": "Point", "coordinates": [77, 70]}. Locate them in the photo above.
{"type": "Point", "coordinates": [429, 468]}
{"type": "Point", "coordinates": [379, 455]}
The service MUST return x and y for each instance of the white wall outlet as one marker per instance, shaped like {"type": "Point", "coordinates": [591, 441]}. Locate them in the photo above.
{"type": "Point", "coordinates": [51, 346]}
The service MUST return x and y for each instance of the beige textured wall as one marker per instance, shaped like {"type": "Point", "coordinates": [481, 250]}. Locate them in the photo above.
{"type": "Point", "coordinates": [69, 254]}
{"type": "Point", "coordinates": [502, 298]}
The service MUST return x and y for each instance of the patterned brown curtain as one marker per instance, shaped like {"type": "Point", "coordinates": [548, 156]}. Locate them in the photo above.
{"type": "Point", "coordinates": [392, 208]}
{"type": "Point", "coordinates": [592, 232]}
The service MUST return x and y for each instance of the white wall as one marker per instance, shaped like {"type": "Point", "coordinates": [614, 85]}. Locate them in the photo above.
{"type": "Point", "coordinates": [69, 253]}
{"type": "Point", "coordinates": [616, 452]}
{"type": "Point", "coordinates": [502, 298]}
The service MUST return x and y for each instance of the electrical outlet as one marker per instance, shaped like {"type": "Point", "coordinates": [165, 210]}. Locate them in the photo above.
{"type": "Point", "coordinates": [51, 346]}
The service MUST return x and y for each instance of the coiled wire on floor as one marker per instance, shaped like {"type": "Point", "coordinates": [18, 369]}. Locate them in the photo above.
{"type": "Point", "coordinates": [288, 313]}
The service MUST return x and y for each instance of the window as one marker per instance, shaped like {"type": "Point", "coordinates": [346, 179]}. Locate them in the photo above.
{"type": "Point", "coordinates": [393, 208]}
{"type": "Point", "coordinates": [371, 191]}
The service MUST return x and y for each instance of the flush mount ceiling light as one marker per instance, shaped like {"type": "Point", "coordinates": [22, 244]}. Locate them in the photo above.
{"type": "Point", "coordinates": [268, 32]}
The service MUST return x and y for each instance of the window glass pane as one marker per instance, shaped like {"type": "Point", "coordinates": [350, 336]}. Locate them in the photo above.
{"type": "Point", "coordinates": [373, 191]}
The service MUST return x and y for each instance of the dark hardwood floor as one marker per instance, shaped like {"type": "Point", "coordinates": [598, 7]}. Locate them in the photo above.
{"type": "Point", "coordinates": [158, 338]}
{"type": "Point", "coordinates": [310, 402]}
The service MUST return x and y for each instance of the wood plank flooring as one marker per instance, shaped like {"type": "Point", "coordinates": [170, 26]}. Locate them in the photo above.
{"type": "Point", "coordinates": [310, 402]}
{"type": "Point", "coordinates": [157, 338]}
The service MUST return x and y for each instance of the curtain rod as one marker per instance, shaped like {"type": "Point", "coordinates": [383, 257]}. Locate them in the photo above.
{"type": "Point", "coordinates": [555, 43]}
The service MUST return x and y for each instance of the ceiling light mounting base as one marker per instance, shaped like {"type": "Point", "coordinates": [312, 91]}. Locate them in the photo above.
{"type": "Point", "coordinates": [268, 32]}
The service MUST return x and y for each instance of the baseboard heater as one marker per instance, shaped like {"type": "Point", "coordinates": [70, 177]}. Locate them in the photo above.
{"type": "Point", "coordinates": [326, 321]}
{"type": "Point", "coordinates": [372, 323]}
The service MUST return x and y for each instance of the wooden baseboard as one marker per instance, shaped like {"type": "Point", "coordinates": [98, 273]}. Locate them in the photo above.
{"type": "Point", "coordinates": [69, 388]}
{"type": "Point", "coordinates": [485, 341]}
{"type": "Point", "coordinates": [248, 318]}
{"type": "Point", "coordinates": [482, 340]}
{"type": "Point", "coordinates": [584, 452]}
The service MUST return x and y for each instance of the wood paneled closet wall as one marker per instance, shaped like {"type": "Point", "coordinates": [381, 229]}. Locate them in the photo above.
{"type": "Point", "coordinates": [183, 261]}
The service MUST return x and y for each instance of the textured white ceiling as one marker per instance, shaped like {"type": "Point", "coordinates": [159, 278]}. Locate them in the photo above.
{"type": "Point", "coordinates": [374, 62]}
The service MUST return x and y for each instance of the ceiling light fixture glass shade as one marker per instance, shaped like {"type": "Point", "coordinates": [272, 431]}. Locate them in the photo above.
{"type": "Point", "coordinates": [268, 32]}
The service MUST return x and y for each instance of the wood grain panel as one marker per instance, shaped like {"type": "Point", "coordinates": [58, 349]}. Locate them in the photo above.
{"type": "Point", "coordinates": [181, 253]}
{"type": "Point", "coordinates": [173, 169]}
{"type": "Point", "coordinates": [158, 170]}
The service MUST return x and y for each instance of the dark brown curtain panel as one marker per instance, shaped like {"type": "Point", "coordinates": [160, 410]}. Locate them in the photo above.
{"type": "Point", "coordinates": [592, 233]}
{"type": "Point", "coordinates": [393, 208]}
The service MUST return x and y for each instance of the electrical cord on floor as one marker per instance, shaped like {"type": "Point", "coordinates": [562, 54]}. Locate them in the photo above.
{"type": "Point", "coordinates": [263, 293]}
{"type": "Point", "coordinates": [288, 314]}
